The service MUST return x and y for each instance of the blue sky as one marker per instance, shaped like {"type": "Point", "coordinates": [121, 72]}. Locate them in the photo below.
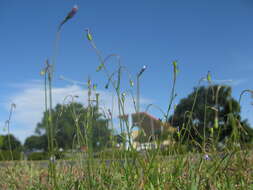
{"type": "Point", "coordinates": [201, 34]}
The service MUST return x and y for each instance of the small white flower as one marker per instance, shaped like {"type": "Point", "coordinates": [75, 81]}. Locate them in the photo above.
{"type": "Point", "coordinates": [207, 157]}
{"type": "Point", "coordinates": [52, 159]}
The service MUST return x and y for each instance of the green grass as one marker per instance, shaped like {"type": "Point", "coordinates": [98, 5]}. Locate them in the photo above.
{"type": "Point", "coordinates": [232, 170]}
{"type": "Point", "coordinates": [175, 168]}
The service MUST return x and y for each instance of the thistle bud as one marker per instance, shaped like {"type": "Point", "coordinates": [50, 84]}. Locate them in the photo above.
{"type": "Point", "coordinates": [13, 105]}
{"type": "Point", "coordinates": [123, 95]}
{"type": "Point", "coordinates": [211, 130]}
{"type": "Point", "coordinates": [42, 72]}
{"type": "Point", "coordinates": [49, 119]}
{"type": "Point", "coordinates": [178, 132]}
{"type": "Point", "coordinates": [216, 124]}
{"type": "Point", "coordinates": [89, 82]}
{"type": "Point", "coordinates": [100, 67]}
{"type": "Point", "coordinates": [208, 77]}
{"type": "Point", "coordinates": [131, 83]}
{"type": "Point", "coordinates": [88, 35]}
{"type": "Point", "coordinates": [175, 67]}
{"type": "Point", "coordinates": [70, 15]}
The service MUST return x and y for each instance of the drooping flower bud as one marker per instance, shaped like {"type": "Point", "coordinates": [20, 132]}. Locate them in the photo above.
{"type": "Point", "coordinates": [100, 67]}
{"type": "Point", "coordinates": [208, 77]}
{"type": "Point", "coordinates": [123, 95]}
{"type": "Point", "coordinates": [175, 67]}
{"type": "Point", "coordinates": [49, 119]}
{"type": "Point", "coordinates": [144, 67]}
{"type": "Point", "coordinates": [88, 34]}
{"type": "Point", "coordinates": [131, 83]}
{"type": "Point", "coordinates": [178, 132]}
{"type": "Point", "coordinates": [216, 124]}
{"type": "Point", "coordinates": [70, 15]}
{"type": "Point", "coordinates": [13, 105]}
{"type": "Point", "coordinates": [94, 86]}
{"type": "Point", "coordinates": [89, 83]}
{"type": "Point", "coordinates": [42, 72]}
{"type": "Point", "coordinates": [211, 131]}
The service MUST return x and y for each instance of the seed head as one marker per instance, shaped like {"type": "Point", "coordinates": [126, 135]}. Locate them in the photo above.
{"type": "Point", "coordinates": [70, 15]}
{"type": "Point", "coordinates": [88, 34]}
{"type": "Point", "coordinates": [175, 67]}
{"type": "Point", "coordinates": [131, 83]}
{"type": "Point", "coordinates": [100, 67]}
{"type": "Point", "coordinates": [216, 124]}
{"type": "Point", "coordinates": [208, 77]}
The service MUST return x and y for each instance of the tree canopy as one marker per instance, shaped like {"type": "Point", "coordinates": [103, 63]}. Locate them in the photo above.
{"type": "Point", "coordinates": [69, 121]}
{"type": "Point", "coordinates": [36, 142]}
{"type": "Point", "coordinates": [9, 142]}
{"type": "Point", "coordinates": [210, 111]}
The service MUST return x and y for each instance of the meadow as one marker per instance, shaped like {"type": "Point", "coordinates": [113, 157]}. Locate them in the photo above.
{"type": "Point", "coordinates": [198, 159]}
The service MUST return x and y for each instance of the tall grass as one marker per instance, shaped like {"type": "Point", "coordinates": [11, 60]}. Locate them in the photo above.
{"type": "Point", "coordinates": [172, 168]}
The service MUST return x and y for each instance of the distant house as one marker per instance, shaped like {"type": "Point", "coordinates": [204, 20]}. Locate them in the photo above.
{"type": "Point", "coordinates": [149, 129]}
{"type": "Point", "coordinates": [146, 129]}
{"type": "Point", "coordinates": [151, 125]}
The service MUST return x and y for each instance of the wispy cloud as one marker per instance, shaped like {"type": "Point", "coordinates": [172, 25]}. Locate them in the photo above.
{"type": "Point", "coordinates": [230, 82]}
{"type": "Point", "coordinates": [29, 100]}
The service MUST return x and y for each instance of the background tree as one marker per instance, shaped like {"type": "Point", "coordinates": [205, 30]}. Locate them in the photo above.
{"type": "Point", "coordinates": [9, 141]}
{"type": "Point", "coordinates": [10, 148]}
{"type": "Point", "coordinates": [215, 111]}
{"type": "Point", "coordinates": [36, 142]}
{"type": "Point", "coordinates": [71, 119]}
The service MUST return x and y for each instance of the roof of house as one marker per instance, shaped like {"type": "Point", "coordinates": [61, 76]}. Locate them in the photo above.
{"type": "Point", "coordinates": [148, 123]}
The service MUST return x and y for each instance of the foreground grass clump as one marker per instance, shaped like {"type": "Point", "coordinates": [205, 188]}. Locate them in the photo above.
{"type": "Point", "coordinates": [231, 170]}
{"type": "Point", "coordinates": [193, 160]}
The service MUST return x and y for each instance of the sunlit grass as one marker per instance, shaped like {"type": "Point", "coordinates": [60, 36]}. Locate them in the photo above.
{"type": "Point", "coordinates": [174, 167]}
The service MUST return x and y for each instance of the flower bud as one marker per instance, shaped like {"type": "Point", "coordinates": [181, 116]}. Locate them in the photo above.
{"type": "Point", "coordinates": [216, 124]}
{"type": "Point", "coordinates": [123, 95]}
{"type": "Point", "coordinates": [70, 15]}
{"type": "Point", "coordinates": [89, 37]}
{"type": "Point", "coordinates": [88, 34]}
{"type": "Point", "coordinates": [208, 77]}
{"type": "Point", "coordinates": [131, 83]}
{"type": "Point", "coordinates": [42, 72]}
{"type": "Point", "coordinates": [94, 86]}
{"type": "Point", "coordinates": [175, 67]}
{"type": "Point", "coordinates": [100, 67]}
{"type": "Point", "coordinates": [211, 130]}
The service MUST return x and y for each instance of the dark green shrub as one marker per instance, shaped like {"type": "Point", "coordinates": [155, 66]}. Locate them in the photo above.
{"type": "Point", "coordinates": [7, 155]}
{"type": "Point", "coordinates": [43, 156]}
{"type": "Point", "coordinates": [38, 156]}
{"type": "Point", "coordinates": [116, 154]}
